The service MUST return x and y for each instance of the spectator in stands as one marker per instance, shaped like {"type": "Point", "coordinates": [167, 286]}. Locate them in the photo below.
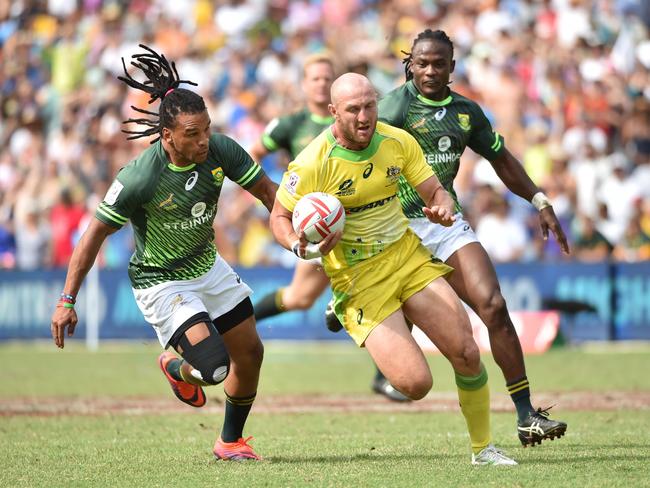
{"type": "Point", "coordinates": [635, 244]}
{"type": "Point", "coordinates": [589, 244]}
{"type": "Point", "coordinates": [65, 217]}
{"type": "Point", "coordinates": [503, 237]}
{"type": "Point", "coordinates": [586, 83]}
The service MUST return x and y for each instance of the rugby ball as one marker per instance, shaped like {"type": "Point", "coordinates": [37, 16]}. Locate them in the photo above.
{"type": "Point", "coordinates": [318, 215]}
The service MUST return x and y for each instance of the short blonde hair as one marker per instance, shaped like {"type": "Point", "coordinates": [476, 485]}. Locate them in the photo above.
{"type": "Point", "coordinates": [320, 57]}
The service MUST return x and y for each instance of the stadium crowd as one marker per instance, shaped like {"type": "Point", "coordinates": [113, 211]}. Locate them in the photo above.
{"type": "Point", "coordinates": [566, 82]}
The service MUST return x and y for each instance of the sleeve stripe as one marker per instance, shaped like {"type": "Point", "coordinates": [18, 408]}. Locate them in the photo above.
{"type": "Point", "coordinates": [497, 142]}
{"type": "Point", "coordinates": [252, 173]}
{"type": "Point", "coordinates": [111, 215]}
{"type": "Point", "coordinates": [269, 143]}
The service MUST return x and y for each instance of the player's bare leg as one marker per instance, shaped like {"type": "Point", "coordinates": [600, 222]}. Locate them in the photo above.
{"type": "Point", "coordinates": [308, 283]}
{"type": "Point", "coordinates": [240, 387]}
{"type": "Point", "coordinates": [444, 320]}
{"type": "Point", "coordinates": [398, 356]}
{"type": "Point", "coordinates": [475, 282]}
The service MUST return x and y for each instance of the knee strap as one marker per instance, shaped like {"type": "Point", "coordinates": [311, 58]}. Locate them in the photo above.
{"type": "Point", "coordinates": [209, 358]}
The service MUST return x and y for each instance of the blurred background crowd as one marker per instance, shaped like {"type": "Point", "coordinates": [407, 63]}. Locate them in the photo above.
{"type": "Point", "coordinates": [567, 82]}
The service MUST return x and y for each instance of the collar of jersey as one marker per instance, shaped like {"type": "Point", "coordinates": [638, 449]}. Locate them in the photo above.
{"type": "Point", "coordinates": [180, 169]}
{"type": "Point", "coordinates": [319, 119]}
{"type": "Point", "coordinates": [341, 152]}
{"type": "Point", "coordinates": [410, 86]}
{"type": "Point", "coordinates": [435, 103]}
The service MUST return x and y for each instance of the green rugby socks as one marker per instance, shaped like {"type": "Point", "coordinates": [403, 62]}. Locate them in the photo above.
{"type": "Point", "coordinates": [237, 409]}
{"type": "Point", "coordinates": [519, 391]}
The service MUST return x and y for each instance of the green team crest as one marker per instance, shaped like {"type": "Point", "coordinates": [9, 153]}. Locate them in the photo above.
{"type": "Point", "coordinates": [217, 174]}
{"type": "Point", "coordinates": [463, 121]}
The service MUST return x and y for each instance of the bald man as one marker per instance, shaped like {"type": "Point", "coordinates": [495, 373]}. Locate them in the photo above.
{"type": "Point", "coordinates": [379, 270]}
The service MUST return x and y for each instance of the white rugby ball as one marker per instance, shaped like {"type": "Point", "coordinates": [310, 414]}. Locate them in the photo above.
{"type": "Point", "coordinates": [318, 215]}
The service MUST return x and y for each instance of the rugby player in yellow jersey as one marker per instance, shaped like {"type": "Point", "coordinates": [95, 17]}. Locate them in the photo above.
{"type": "Point", "coordinates": [378, 269]}
{"type": "Point", "coordinates": [292, 133]}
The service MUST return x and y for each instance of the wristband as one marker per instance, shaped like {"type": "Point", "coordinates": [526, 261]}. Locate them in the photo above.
{"type": "Point", "coordinates": [312, 251]}
{"type": "Point", "coordinates": [67, 298]}
{"type": "Point", "coordinates": [65, 304]}
{"type": "Point", "coordinates": [540, 201]}
{"type": "Point", "coordinates": [295, 248]}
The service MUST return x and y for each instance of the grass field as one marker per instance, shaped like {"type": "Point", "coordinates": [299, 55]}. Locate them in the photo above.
{"type": "Point", "coordinates": [69, 418]}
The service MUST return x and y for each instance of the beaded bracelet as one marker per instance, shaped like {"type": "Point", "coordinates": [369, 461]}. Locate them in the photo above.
{"type": "Point", "coordinates": [67, 298]}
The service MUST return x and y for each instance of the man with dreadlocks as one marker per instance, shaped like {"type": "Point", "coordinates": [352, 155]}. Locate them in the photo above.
{"type": "Point", "coordinates": [185, 290]}
{"type": "Point", "coordinates": [444, 123]}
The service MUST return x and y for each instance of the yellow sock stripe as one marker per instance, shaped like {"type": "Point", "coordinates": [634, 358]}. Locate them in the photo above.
{"type": "Point", "coordinates": [241, 401]}
{"type": "Point", "coordinates": [518, 384]}
{"type": "Point", "coordinates": [518, 389]}
{"type": "Point", "coordinates": [278, 299]}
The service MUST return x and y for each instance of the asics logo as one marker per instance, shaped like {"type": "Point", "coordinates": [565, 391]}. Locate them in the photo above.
{"type": "Point", "coordinates": [533, 429]}
{"type": "Point", "coordinates": [191, 181]}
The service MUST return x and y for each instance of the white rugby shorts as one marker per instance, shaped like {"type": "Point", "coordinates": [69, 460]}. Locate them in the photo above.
{"type": "Point", "coordinates": [443, 241]}
{"type": "Point", "coordinates": [168, 305]}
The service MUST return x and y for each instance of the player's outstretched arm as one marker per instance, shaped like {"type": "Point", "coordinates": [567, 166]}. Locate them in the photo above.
{"type": "Point", "coordinates": [439, 204]}
{"type": "Point", "coordinates": [513, 175]}
{"type": "Point", "coordinates": [81, 261]}
{"type": "Point", "coordinates": [264, 190]}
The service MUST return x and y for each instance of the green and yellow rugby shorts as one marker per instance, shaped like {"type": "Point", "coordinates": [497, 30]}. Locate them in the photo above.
{"type": "Point", "coordinates": [368, 292]}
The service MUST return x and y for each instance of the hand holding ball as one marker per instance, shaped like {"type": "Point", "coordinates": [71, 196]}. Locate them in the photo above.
{"type": "Point", "coordinates": [318, 215]}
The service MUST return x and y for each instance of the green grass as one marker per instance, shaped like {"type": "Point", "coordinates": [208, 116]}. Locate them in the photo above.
{"type": "Point", "coordinates": [313, 368]}
{"type": "Point", "coordinates": [316, 449]}
{"type": "Point", "coordinates": [410, 450]}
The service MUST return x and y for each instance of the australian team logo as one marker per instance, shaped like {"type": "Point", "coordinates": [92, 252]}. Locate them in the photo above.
{"type": "Point", "coordinates": [218, 175]}
{"type": "Point", "coordinates": [463, 121]}
{"type": "Point", "coordinates": [393, 173]}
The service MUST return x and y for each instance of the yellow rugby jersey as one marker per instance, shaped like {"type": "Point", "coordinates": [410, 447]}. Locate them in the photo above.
{"type": "Point", "coordinates": [365, 181]}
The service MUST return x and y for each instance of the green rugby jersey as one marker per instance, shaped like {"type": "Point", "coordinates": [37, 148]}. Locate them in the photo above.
{"type": "Point", "coordinates": [443, 129]}
{"type": "Point", "coordinates": [293, 132]}
{"type": "Point", "coordinates": [172, 209]}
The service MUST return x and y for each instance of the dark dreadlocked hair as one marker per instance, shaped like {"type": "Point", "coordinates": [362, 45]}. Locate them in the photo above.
{"type": "Point", "coordinates": [427, 35]}
{"type": "Point", "coordinates": [161, 84]}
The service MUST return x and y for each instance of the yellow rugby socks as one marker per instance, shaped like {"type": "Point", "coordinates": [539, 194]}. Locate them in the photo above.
{"type": "Point", "coordinates": [474, 397]}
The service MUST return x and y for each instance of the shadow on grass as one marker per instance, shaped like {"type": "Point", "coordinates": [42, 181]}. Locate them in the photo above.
{"type": "Point", "coordinates": [578, 459]}
{"type": "Point", "coordinates": [602, 447]}
{"type": "Point", "coordinates": [383, 458]}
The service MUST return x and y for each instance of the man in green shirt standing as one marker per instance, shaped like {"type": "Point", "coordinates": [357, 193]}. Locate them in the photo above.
{"type": "Point", "coordinates": [185, 290]}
